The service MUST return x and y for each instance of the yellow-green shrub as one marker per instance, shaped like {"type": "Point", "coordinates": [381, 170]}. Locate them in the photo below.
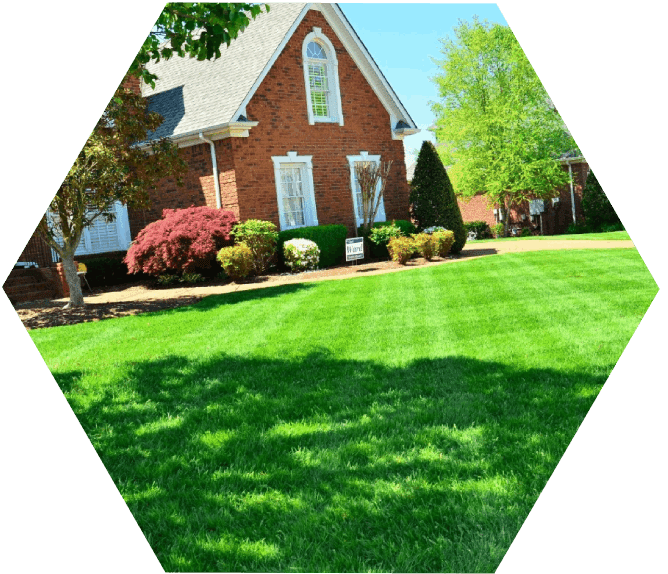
{"type": "Point", "coordinates": [443, 241]}
{"type": "Point", "coordinates": [424, 244]}
{"type": "Point", "coordinates": [401, 249]}
{"type": "Point", "coordinates": [237, 261]}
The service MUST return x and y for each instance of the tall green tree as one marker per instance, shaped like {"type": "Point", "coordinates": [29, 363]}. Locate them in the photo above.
{"type": "Point", "coordinates": [433, 200]}
{"type": "Point", "coordinates": [195, 29]}
{"type": "Point", "coordinates": [502, 135]}
{"type": "Point", "coordinates": [109, 168]}
{"type": "Point", "coordinates": [598, 210]}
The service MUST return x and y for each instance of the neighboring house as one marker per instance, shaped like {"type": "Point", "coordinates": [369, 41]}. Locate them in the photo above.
{"type": "Point", "coordinates": [558, 214]}
{"type": "Point", "coordinates": [271, 130]}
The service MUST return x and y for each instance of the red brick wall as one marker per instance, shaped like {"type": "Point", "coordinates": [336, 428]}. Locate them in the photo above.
{"type": "Point", "coordinates": [476, 209]}
{"type": "Point", "coordinates": [246, 169]}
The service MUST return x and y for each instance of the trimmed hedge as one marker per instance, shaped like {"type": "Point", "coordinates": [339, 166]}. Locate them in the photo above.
{"type": "Point", "coordinates": [330, 239]}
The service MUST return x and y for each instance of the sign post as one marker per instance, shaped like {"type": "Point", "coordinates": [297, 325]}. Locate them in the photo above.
{"type": "Point", "coordinates": [354, 248]}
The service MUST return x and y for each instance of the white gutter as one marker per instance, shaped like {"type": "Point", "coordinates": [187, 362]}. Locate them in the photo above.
{"type": "Point", "coordinates": [216, 179]}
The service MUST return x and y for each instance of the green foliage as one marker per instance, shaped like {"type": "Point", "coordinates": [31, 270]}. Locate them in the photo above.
{"type": "Point", "coordinates": [167, 279]}
{"type": "Point", "coordinates": [480, 228]}
{"type": "Point", "coordinates": [330, 239]}
{"type": "Point", "coordinates": [301, 254]}
{"type": "Point", "coordinates": [401, 249]}
{"type": "Point", "coordinates": [423, 244]}
{"type": "Point", "coordinates": [598, 210]}
{"type": "Point", "coordinates": [237, 261]}
{"type": "Point", "coordinates": [191, 278]}
{"type": "Point", "coordinates": [499, 131]}
{"type": "Point", "coordinates": [196, 29]}
{"type": "Point", "coordinates": [578, 228]}
{"type": "Point", "coordinates": [497, 229]}
{"type": "Point", "coordinates": [383, 233]}
{"type": "Point", "coordinates": [260, 237]}
{"type": "Point", "coordinates": [526, 232]}
{"type": "Point", "coordinates": [432, 198]}
{"type": "Point", "coordinates": [443, 241]}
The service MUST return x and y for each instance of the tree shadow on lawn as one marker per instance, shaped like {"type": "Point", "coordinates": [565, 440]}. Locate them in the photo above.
{"type": "Point", "coordinates": [313, 464]}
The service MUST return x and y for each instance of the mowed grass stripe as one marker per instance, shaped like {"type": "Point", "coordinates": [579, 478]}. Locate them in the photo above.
{"type": "Point", "coordinates": [399, 422]}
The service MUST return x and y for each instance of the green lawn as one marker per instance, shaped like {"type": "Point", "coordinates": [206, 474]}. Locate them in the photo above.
{"type": "Point", "coordinates": [609, 235]}
{"type": "Point", "coordinates": [401, 422]}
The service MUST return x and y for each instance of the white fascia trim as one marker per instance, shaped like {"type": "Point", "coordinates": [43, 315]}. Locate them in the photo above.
{"type": "Point", "coordinates": [311, 217]}
{"type": "Point", "coordinates": [364, 156]}
{"type": "Point", "coordinates": [332, 71]}
{"type": "Point", "coordinates": [219, 132]}
{"type": "Point", "coordinates": [272, 60]}
{"type": "Point", "coordinates": [336, 19]}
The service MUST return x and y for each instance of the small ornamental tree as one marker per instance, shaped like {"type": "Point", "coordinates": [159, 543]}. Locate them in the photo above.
{"type": "Point", "coordinates": [372, 179]}
{"type": "Point", "coordinates": [183, 241]}
{"type": "Point", "coordinates": [598, 210]}
{"type": "Point", "coordinates": [433, 200]}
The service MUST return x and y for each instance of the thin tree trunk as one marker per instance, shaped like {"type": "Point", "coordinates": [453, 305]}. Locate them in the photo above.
{"type": "Point", "coordinates": [73, 282]}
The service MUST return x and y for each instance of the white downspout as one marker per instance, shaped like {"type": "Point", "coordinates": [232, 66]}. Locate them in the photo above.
{"type": "Point", "coordinates": [216, 181]}
{"type": "Point", "coordinates": [570, 176]}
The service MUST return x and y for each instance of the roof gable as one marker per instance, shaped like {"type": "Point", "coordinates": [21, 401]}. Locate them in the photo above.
{"type": "Point", "coordinates": [196, 96]}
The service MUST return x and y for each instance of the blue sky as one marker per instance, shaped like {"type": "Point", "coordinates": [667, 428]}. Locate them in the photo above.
{"type": "Point", "coordinates": [402, 38]}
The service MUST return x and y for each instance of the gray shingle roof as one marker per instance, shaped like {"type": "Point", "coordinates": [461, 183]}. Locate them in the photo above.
{"type": "Point", "coordinates": [193, 95]}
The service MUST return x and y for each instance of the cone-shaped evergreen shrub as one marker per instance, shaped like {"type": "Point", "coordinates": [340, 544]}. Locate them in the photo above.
{"type": "Point", "coordinates": [598, 210]}
{"type": "Point", "coordinates": [433, 200]}
{"type": "Point", "coordinates": [183, 241]}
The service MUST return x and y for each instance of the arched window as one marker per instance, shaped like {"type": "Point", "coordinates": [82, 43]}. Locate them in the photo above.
{"type": "Point", "coordinates": [321, 78]}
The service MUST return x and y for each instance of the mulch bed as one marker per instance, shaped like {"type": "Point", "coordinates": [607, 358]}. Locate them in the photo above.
{"type": "Point", "coordinates": [146, 296]}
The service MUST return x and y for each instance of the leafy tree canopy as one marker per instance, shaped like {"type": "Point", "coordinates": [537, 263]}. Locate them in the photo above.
{"type": "Point", "coordinates": [196, 29]}
{"type": "Point", "coordinates": [500, 133]}
{"type": "Point", "coordinates": [598, 210]}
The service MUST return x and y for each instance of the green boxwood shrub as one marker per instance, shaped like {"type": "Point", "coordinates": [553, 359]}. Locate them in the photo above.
{"type": "Point", "coordinates": [330, 239]}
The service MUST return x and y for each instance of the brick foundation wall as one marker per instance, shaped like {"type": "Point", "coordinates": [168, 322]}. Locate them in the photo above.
{"type": "Point", "coordinates": [247, 180]}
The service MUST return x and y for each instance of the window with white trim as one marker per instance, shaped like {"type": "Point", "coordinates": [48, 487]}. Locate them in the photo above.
{"type": "Point", "coordinates": [364, 157]}
{"type": "Point", "coordinates": [102, 236]}
{"type": "Point", "coordinates": [294, 190]}
{"type": "Point", "coordinates": [321, 78]}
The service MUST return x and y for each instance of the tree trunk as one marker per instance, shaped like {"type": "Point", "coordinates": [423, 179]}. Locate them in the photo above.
{"type": "Point", "coordinates": [506, 218]}
{"type": "Point", "coordinates": [73, 282]}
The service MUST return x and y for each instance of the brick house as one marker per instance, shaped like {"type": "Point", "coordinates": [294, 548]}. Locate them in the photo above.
{"type": "Point", "coordinates": [270, 130]}
{"type": "Point", "coordinates": [560, 212]}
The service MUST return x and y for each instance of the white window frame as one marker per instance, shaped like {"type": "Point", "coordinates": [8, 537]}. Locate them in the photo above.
{"type": "Point", "coordinates": [332, 65]}
{"type": "Point", "coordinates": [122, 231]}
{"type": "Point", "coordinates": [364, 157]}
{"type": "Point", "coordinates": [310, 210]}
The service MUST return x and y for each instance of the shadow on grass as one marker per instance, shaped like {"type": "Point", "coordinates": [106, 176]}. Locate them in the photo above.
{"type": "Point", "coordinates": [320, 464]}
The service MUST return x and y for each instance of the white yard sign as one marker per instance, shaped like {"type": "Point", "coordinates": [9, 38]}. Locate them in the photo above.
{"type": "Point", "coordinates": [354, 248]}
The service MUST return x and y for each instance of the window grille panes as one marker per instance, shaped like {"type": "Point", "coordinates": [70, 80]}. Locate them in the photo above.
{"type": "Point", "coordinates": [358, 193]}
{"type": "Point", "coordinates": [315, 51]}
{"type": "Point", "coordinates": [292, 190]}
{"type": "Point", "coordinates": [319, 86]}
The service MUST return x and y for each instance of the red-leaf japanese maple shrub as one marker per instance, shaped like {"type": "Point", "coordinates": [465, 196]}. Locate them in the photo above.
{"type": "Point", "coordinates": [183, 241]}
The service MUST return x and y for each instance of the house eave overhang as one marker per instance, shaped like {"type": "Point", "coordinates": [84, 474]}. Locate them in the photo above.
{"type": "Point", "coordinates": [400, 133]}
{"type": "Point", "coordinates": [567, 160]}
{"type": "Point", "coordinates": [214, 133]}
